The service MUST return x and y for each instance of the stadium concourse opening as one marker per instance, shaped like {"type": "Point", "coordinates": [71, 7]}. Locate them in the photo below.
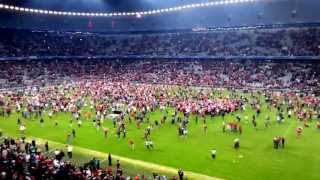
{"type": "Point", "coordinates": [225, 89]}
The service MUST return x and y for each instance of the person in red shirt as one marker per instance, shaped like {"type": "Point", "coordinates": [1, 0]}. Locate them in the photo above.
{"type": "Point", "coordinates": [137, 177]}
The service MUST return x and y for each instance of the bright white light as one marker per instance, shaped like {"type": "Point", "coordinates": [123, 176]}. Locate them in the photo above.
{"type": "Point", "coordinates": [137, 14]}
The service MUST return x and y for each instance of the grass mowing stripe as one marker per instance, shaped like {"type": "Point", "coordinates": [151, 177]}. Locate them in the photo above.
{"type": "Point", "coordinates": [138, 163]}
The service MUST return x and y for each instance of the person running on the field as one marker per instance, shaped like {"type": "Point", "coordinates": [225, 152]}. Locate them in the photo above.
{"type": "Point", "coordinates": [279, 118]}
{"type": "Point", "coordinates": [205, 128]}
{"type": "Point", "coordinates": [236, 143]}
{"type": "Point", "coordinates": [131, 144]}
{"type": "Point", "coordinates": [41, 122]}
{"type": "Point", "coordinates": [109, 159]}
{"type": "Point", "coordinates": [267, 122]}
{"type": "Point", "coordinates": [240, 129]}
{"type": "Point", "coordinates": [118, 133]}
{"type": "Point", "coordinates": [299, 131]}
{"type": "Point", "coordinates": [148, 129]}
{"type": "Point", "coordinates": [98, 125]}
{"type": "Point", "coordinates": [258, 111]}
{"type": "Point", "coordinates": [114, 122]}
{"type": "Point", "coordinates": [145, 135]}
{"type": "Point", "coordinates": [180, 130]}
{"type": "Point", "coordinates": [50, 114]}
{"type": "Point", "coordinates": [69, 151]}
{"type": "Point", "coordinates": [124, 133]}
{"type": "Point", "coordinates": [204, 120]}
{"type": "Point", "coordinates": [79, 123]}
{"type": "Point", "coordinates": [180, 174]}
{"type": "Point", "coordinates": [238, 117]}
{"type": "Point", "coordinates": [46, 147]}
{"type": "Point", "coordinates": [254, 122]}
{"type": "Point", "coordinates": [163, 120]}
{"type": "Point", "coordinates": [213, 153]}
{"type": "Point", "coordinates": [22, 129]}
{"type": "Point", "coordinates": [318, 125]}
{"type": "Point", "coordinates": [94, 122]}
{"type": "Point", "coordinates": [156, 123]}
{"type": "Point", "coordinates": [68, 138]}
{"type": "Point", "coordinates": [149, 144]}
{"type": "Point", "coordinates": [289, 113]}
{"type": "Point", "coordinates": [185, 131]}
{"type": "Point", "coordinates": [105, 131]}
{"type": "Point", "coordinates": [197, 119]}
{"type": "Point", "coordinates": [73, 133]}
{"type": "Point", "coordinates": [305, 124]}
{"type": "Point", "coordinates": [223, 126]}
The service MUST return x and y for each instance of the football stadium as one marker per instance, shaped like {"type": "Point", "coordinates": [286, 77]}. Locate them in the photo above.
{"type": "Point", "coordinates": [159, 89]}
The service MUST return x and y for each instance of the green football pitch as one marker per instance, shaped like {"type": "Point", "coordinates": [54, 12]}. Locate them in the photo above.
{"type": "Point", "coordinates": [256, 158]}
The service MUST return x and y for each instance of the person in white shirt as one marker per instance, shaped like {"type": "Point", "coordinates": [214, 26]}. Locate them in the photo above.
{"type": "Point", "coordinates": [69, 151]}
{"type": "Point", "coordinates": [213, 153]}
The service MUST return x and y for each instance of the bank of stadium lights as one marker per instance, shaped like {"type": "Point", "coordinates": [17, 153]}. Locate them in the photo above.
{"type": "Point", "coordinates": [136, 14]}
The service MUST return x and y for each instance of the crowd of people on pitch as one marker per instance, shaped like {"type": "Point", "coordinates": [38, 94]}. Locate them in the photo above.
{"type": "Point", "coordinates": [20, 159]}
{"type": "Point", "coordinates": [257, 42]}
{"type": "Point", "coordinates": [103, 96]}
{"type": "Point", "coordinates": [229, 74]}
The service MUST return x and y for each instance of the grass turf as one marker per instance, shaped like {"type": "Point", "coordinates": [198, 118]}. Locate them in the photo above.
{"type": "Point", "coordinates": [256, 158]}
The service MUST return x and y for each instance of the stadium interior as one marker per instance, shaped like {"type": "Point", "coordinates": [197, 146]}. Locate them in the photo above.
{"type": "Point", "coordinates": [149, 89]}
